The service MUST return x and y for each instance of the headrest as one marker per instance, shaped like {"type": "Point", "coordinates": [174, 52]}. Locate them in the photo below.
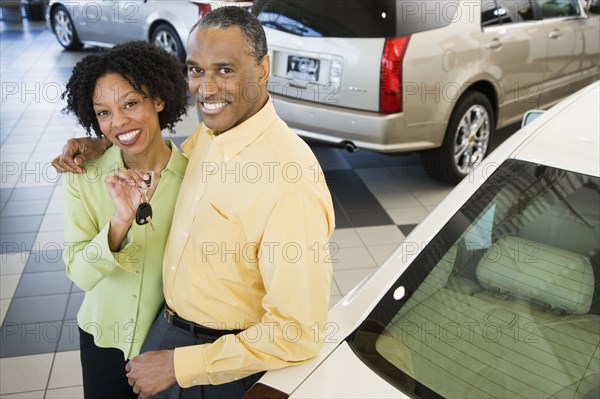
{"type": "Point", "coordinates": [555, 278]}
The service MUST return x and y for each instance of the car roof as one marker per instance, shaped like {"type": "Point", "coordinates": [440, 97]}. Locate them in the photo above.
{"type": "Point", "coordinates": [568, 135]}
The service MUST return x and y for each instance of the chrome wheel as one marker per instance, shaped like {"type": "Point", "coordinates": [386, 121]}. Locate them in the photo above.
{"type": "Point", "coordinates": [167, 42]}
{"type": "Point", "coordinates": [63, 28]}
{"type": "Point", "coordinates": [165, 37]}
{"type": "Point", "coordinates": [472, 138]}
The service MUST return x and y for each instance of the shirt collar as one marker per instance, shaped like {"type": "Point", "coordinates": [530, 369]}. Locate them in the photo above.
{"type": "Point", "coordinates": [177, 162]}
{"type": "Point", "coordinates": [234, 140]}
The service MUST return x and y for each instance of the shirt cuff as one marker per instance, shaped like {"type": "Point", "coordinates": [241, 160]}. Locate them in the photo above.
{"type": "Point", "coordinates": [190, 367]}
{"type": "Point", "coordinates": [123, 259]}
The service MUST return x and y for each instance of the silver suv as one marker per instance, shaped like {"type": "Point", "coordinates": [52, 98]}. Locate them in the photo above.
{"type": "Point", "coordinates": [441, 76]}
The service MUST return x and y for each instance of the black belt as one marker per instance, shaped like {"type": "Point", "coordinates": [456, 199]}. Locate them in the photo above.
{"type": "Point", "coordinates": [196, 329]}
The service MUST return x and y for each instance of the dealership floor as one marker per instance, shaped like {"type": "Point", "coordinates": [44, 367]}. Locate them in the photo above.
{"type": "Point", "coordinates": [378, 199]}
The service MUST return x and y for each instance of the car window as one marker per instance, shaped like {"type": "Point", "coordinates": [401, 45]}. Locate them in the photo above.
{"type": "Point", "coordinates": [495, 12]}
{"type": "Point", "coordinates": [354, 18]}
{"type": "Point", "coordinates": [514, 11]}
{"type": "Point", "coordinates": [503, 302]}
{"type": "Point", "coordinates": [559, 8]}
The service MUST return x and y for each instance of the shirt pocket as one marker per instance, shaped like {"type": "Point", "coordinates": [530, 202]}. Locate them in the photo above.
{"type": "Point", "coordinates": [217, 240]}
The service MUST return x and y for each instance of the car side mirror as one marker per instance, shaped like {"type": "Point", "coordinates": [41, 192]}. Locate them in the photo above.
{"type": "Point", "coordinates": [530, 116]}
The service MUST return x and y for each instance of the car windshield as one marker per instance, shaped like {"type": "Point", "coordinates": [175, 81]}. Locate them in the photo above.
{"type": "Point", "coordinates": [503, 302]}
{"type": "Point", "coordinates": [354, 18]}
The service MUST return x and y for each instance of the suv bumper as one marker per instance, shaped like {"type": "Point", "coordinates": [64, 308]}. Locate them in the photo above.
{"type": "Point", "coordinates": [369, 130]}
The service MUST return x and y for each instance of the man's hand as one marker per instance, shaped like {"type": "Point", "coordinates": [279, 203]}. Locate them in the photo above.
{"type": "Point", "coordinates": [77, 151]}
{"type": "Point", "coordinates": [151, 372]}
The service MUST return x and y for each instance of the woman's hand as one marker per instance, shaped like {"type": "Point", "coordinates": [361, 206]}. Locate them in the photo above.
{"type": "Point", "coordinates": [125, 188]}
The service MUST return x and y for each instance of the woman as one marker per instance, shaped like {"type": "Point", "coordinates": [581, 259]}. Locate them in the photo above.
{"type": "Point", "coordinates": [127, 94]}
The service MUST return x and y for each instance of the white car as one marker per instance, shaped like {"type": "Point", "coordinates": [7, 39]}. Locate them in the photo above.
{"type": "Point", "coordinates": [165, 23]}
{"type": "Point", "coordinates": [494, 294]}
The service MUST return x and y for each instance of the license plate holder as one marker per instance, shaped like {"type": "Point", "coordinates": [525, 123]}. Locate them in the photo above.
{"type": "Point", "coordinates": [303, 68]}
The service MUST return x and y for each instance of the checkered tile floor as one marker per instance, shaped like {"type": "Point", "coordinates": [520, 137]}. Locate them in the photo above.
{"type": "Point", "coordinates": [378, 200]}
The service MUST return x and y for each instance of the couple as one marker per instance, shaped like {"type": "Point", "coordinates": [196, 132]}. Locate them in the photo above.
{"type": "Point", "coordinates": [244, 270]}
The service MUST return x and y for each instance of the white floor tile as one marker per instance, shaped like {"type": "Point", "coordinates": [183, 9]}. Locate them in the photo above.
{"type": "Point", "coordinates": [398, 200]}
{"type": "Point", "coordinates": [333, 289]}
{"type": "Point", "coordinates": [65, 393]}
{"type": "Point", "coordinates": [49, 239]}
{"type": "Point", "coordinates": [333, 300]}
{"type": "Point", "coordinates": [24, 395]}
{"type": "Point", "coordinates": [8, 285]}
{"type": "Point", "coordinates": [352, 258]}
{"type": "Point", "coordinates": [344, 238]}
{"type": "Point", "coordinates": [66, 370]}
{"type": "Point", "coordinates": [379, 180]}
{"type": "Point", "coordinates": [52, 222]}
{"type": "Point", "coordinates": [24, 373]}
{"type": "Point", "coordinates": [381, 252]}
{"type": "Point", "coordinates": [408, 215]}
{"type": "Point", "coordinates": [348, 279]}
{"type": "Point", "coordinates": [430, 198]}
{"type": "Point", "coordinates": [4, 304]}
{"type": "Point", "coordinates": [13, 263]}
{"type": "Point", "coordinates": [379, 235]}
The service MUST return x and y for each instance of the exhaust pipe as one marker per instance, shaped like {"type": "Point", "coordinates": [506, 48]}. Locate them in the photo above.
{"type": "Point", "coordinates": [349, 146]}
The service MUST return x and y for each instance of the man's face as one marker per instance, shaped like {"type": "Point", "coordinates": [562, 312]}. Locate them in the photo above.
{"type": "Point", "coordinates": [223, 77]}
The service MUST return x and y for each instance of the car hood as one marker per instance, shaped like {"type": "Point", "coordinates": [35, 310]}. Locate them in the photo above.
{"type": "Point", "coordinates": [343, 375]}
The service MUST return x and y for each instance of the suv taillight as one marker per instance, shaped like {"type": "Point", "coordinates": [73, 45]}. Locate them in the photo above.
{"type": "Point", "coordinates": [390, 89]}
{"type": "Point", "coordinates": [203, 9]}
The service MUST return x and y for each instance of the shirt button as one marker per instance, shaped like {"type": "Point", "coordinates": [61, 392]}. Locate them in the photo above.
{"type": "Point", "coordinates": [134, 297]}
{"type": "Point", "coordinates": [169, 301]}
{"type": "Point", "coordinates": [136, 273]}
{"type": "Point", "coordinates": [131, 320]}
{"type": "Point", "coordinates": [185, 233]}
{"type": "Point", "coordinates": [225, 158]}
{"type": "Point", "coordinates": [172, 267]}
{"type": "Point", "coordinates": [195, 382]}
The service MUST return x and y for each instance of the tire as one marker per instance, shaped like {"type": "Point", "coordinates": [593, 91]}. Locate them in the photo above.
{"type": "Point", "coordinates": [165, 37]}
{"type": "Point", "coordinates": [466, 141]}
{"type": "Point", "coordinates": [64, 29]}
{"type": "Point", "coordinates": [34, 11]}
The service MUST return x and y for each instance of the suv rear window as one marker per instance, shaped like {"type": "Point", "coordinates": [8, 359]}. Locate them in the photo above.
{"type": "Point", "coordinates": [354, 18]}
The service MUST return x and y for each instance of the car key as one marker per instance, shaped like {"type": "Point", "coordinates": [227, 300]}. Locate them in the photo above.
{"type": "Point", "coordinates": [143, 214]}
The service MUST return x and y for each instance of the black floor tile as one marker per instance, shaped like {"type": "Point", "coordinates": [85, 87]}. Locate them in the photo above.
{"type": "Point", "coordinates": [329, 157]}
{"type": "Point", "coordinates": [75, 300]}
{"type": "Point", "coordinates": [49, 260]}
{"type": "Point", "coordinates": [48, 283]}
{"type": "Point", "coordinates": [375, 217]}
{"type": "Point", "coordinates": [20, 224]}
{"type": "Point", "coordinates": [342, 221]}
{"type": "Point", "coordinates": [69, 337]}
{"type": "Point", "coordinates": [36, 309]}
{"type": "Point", "coordinates": [13, 243]}
{"type": "Point", "coordinates": [364, 159]}
{"type": "Point", "coordinates": [32, 193]}
{"type": "Point", "coordinates": [18, 207]}
{"type": "Point", "coordinates": [76, 289]}
{"type": "Point", "coordinates": [5, 194]}
{"type": "Point", "coordinates": [406, 228]}
{"type": "Point", "coordinates": [29, 339]}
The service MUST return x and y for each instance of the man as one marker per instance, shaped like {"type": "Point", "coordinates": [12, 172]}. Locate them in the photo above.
{"type": "Point", "coordinates": [246, 274]}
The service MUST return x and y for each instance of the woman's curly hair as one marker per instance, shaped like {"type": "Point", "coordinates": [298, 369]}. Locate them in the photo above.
{"type": "Point", "coordinates": [141, 64]}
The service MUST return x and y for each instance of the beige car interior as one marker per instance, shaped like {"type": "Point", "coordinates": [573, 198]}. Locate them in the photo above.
{"type": "Point", "coordinates": [522, 320]}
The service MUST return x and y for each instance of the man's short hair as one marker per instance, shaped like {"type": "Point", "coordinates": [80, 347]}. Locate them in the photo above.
{"type": "Point", "coordinates": [226, 17]}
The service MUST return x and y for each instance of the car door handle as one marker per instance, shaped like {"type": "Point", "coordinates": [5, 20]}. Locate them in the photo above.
{"type": "Point", "coordinates": [555, 34]}
{"type": "Point", "coordinates": [494, 45]}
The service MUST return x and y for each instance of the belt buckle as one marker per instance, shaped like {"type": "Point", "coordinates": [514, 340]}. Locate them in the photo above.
{"type": "Point", "coordinates": [169, 315]}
